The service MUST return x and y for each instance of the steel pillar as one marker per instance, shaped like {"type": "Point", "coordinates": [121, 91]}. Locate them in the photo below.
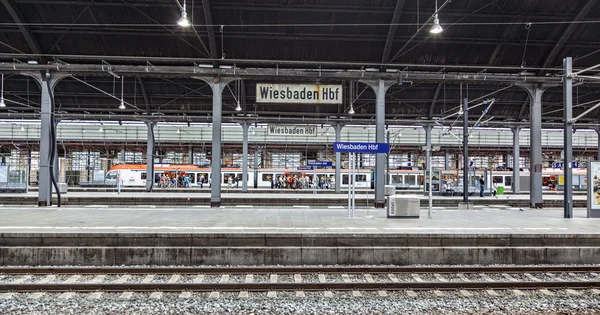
{"type": "Point", "coordinates": [47, 83]}
{"type": "Point", "coordinates": [427, 145]}
{"type": "Point", "coordinates": [568, 136]}
{"type": "Point", "coordinates": [516, 179]}
{"type": "Point", "coordinates": [380, 87]}
{"type": "Point", "coordinates": [245, 157]}
{"type": "Point", "coordinates": [190, 154]}
{"type": "Point", "coordinates": [447, 161]}
{"type": "Point", "coordinates": [598, 132]}
{"type": "Point", "coordinates": [465, 151]}
{"type": "Point", "coordinates": [150, 157]}
{"type": "Point", "coordinates": [535, 146]}
{"type": "Point", "coordinates": [338, 159]}
{"type": "Point", "coordinates": [217, 85]}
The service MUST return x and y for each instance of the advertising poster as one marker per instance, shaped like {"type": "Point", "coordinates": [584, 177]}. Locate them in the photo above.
{"type": "Point", "coordinates": [594, 178]}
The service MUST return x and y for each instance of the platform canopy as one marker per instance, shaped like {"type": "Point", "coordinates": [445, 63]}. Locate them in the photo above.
{"type": "Point", "coordinates": [485, 45]}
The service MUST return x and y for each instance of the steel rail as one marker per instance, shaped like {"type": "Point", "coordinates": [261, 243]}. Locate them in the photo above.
{"type": "Point", "coordinates": [292, 269]}
{"type": "Point", "coordinates": [170, 287]}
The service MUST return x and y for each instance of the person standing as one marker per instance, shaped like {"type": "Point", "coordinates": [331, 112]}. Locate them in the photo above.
{"type": "Point", "coordinates": [481, 186]}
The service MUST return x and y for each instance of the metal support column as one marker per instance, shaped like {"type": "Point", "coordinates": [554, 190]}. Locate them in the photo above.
{"type": "Point", "coordinates": [245, 157]}
{"type": "Point", "coordinates": [338, 159]}
{"type": "Point", "coordinates": [568, 136]}
{"type": "Point", "coordinates": [465, 151]}
{"type": "Point", "coordinates": [56, 165]}
{"type": "Point", "coordinates": [47, 142]}
{"type": "Point", "coordinates": [535, 146]}
{"type": "Point", "coordinates": [427, 145]}
{"type": "Point", "coordinates": [190, 154]}
{"type": "Point", "coordinates": [150, 157]}
{"type": "Point", "coordinates": [447, 161]}
{"type": "Point", "coordinates": [380, 87]}
{"type": "Point", "coordinates": [598, 132]}
{"type": "Point", "coordinates": [217, 85]}
{"type": "Point", "coordinates": [516, 177]}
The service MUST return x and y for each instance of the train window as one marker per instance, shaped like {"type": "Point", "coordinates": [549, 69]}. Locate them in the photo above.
{"type": "Point", "coordinates": [397, 179]}
{"type": "Point", "coordinates": [345, 179]}
{"type": "Point", "coordinates": [507, 180]}
{"type": "Point", "coordinates": [498, 179]}
{"type": "Point", "coordinates": [361, 178]}
{"type": "Point", "coordinates": [411, 179]}
{"type": "Point", "coordinates": [111, 175]}
{"type": "Point", "coordinates": [144, 175]}
{"type": "Point", "coordinates": [192, 178]}
{"type": "Point", "coordinates": [420, 179]}
{"type": "Point", "coordinates": [266, 177]}
{"type": "Point", "coordinates": [199, 177]}
{"type": "Point", "coordinates": [227, 176]}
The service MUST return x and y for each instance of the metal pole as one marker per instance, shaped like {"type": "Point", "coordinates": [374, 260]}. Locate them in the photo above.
{"type": "Point", "coordinates": [429, 168]}
{"type": "Point", "coordinates": [338, 160]}
{"type": "Point", "coordinates": [568, 138]}
{"type": "Point", "coordinates": [245, 157]}
{"type": "Point", "coordinates": [349, 178]}
{"type": "Point", "coordinates": [379, 137]}
{"type": "Point", "coordinates": [535, 146]}
{"type": "Point", "coordinates": [215, 192]}
{"type": "Point", "coordinates": [465, 150]}
{"type": "Point", "coordinates": [315, 180]}
{"type": "Point", "coordinates": [255, 166]}
{"type": "Point", "coordinates": [354, 166]}
{"type": "Point", "coordinates": [150, 157]}
{"type": "Point", "coordinates": [516, 183]}
{"type": "Point", "coordinates": [387, 175]}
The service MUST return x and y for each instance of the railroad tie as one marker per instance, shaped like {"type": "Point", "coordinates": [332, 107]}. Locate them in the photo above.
{"type": "Point", "coordinates": [214, 295]}
{"type": "Point", "coordinates": [156, 295]}
{"type": "Point", "coordinates": [322, 278]}
{"type": "Point", "coordinates": [465, 293]}
{"type": "Point", "coordinates": [243, 294]}
{"type": "Point", "coordinates": [126, 295]}
{"type": "Point", "coordinates": [485, 277]}
{"type": "Point", "coordinates": [122, 279]}
{"type": "Point", "coordinates": [95, 295]}
{"type": "Point", "coordinates": [199, 279]}
{"type": "Point", "coordinates": [411, 293]}
{"type": "Point", "coordinates": [7, 296]}
{"type": "Point", "coordinates": [546, 292]}
{"type": "Point", "coordinates": [440, 278]}
{"type": "Point", "coordinates": [509, 277]}
{"type": "Point", "coordinates": [66, 295]}
{"type": "Point", "coordinates": [417, 278]}
{"type": "Point", "coordinates": [98, 279]}
{"type": "Point", "coordinates": [463, 277]}
{"type": "Point", "coordinates": [328, 294]}
{"type": "Point", "coordinates": [300, 294]}
{"type": "Point", "coordinates": [438, 293]}
{"type": "Point", "coordinates": [595, 291]}
{"type": "Point", "coordinates": [224, 279]}
{"type": "Point", "coordinates": [356, 293]}
{"type": "Point", "coordinates": [249, 279]}
{"type": "Point", "coordinates": [36, 295]}
{"type": "Point", "coordinates": [174, 279]}
{"type": "Point", "coordinates": [271, 294]}
{"type": "Point", "coordinates": [572, 274]}
{"type": "Point", "coordinates": [346, 278]}
{"type": "Point", "coordinates": [73, 279]}
{"type": "Point", "coordinates": [382, 293]}
{"type": "Point", "coordinates": [21, 280]}
{"type": "Point", "coordinates": [532, 277]}
{"type": "Point", "coordinates": [185, 295]}
{"type": "Point", "coordinates": [273, 278]}
{"type": "Point", "coordinates": [573, 292]}
{"type": "Point", "coordinates": [298, 279]}
{"type": "Point", "coordinates": [148, 279]}
{"type": "Point", "coordinates": [491, 292]}
{"type": "Point", "coordinates": [48, 279]}
{"type": "Point", "coordinates": [518, 292]}
{"type": "Point", "coordinates": [393, 277]}
{"type": "Point", "coordinates": [369, 278]}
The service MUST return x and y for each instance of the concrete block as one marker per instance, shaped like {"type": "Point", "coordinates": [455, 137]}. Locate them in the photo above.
{"type": "Point", "coordinates": [453, 240]}
{"type": "Point", "coordinates": [529, 255]}
{"type": "Point", "coordinates": [319, 255]}
{"type": "Point", "coordinates": [76, 256]}
{"type": "Point", "coordinates": [460, 256]}
{"type": "Point", "coordinates": [562, 255]}
{"type": "Point", "coordinates": [171, 256]}
{"type": "Point", "coordinates": [325, 241]}
{"type": "Point", "coordinates": [390, 256]}
{"type": "Point", "coordinates": [246, 255]}
{"type": "Point", "coordinates": [424, 240]}
{"type": "Point", "coordinates": [526, 240]}
{"type": "Point", "coordinates": [209, 241]}
{"type": "Point", "coordinates": [495, 255]}
{"type": "Point", "coordinates": [283, 240]}
{"type": "Point", "coordinates": [425, 255]}
{"type": "Point", "coordinates": [209, 256]}
{"type": "Point", "coordinates": [283, 256]}
{"type": "Point", "coordinates": [465, 206]}
{"type": "Point", "coordinates": [394, 241]}
{"type": "Point", "coordinates": [27, 256]}
{"type": "Point", "coordinates": [134, 255]}
{"type": "Point", "coordinates": [355, 255]}
{"type": "Point", "coordinates": [493, 240]}
{"type": "Point", "coordinates": [18, 240]}
{"type": "Point", "coordinates": [589, 255]}
{"type": "Point", "coordinates": [358, 240]}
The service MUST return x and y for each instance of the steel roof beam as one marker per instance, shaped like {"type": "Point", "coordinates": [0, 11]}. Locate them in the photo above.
{"type": "Point", "coordinates": [392, 31]}
{"type": "Point", "coordinates": [212, 43]}
{"type": "Point", "coordinates": [144, 94]}
{"type": "Point", "coordinates": [14, 12]}
{"type": "Point", "coordinates": [568, 32]}
{"type": "Point", "coordinates": [523, 108]}
{"type": "Point", "coordinates": [434, 100]}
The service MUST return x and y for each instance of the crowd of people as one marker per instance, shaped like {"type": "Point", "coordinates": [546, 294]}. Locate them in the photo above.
{"type": "Point", "coordinates": [296, 181]}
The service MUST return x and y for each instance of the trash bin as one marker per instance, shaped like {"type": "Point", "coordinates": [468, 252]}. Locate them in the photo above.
{"type": "Point", "coordinates": [403, 207]}
{"type": "Point", "coordinates": [389, 190]}
{"type": "Point", "coordinates": [500, 190]}
{"type": "Point", "coordinates": [63, 187]}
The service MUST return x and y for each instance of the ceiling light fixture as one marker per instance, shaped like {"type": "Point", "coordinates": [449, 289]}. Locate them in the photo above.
{"type": "Point", "coordinates": [183, 21]}
{"type": "Point", "coordinates": [2, 104]}
{"type": "Point", "coordinates": [122, 105]}
{"type": "Point", "coordinates": [351, 110]}
{"type": "Point", "coordinates": [238, 108]}
{"type": "Point", "coordinates": [436, 28]}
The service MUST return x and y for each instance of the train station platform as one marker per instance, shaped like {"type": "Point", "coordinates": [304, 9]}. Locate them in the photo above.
{"type": "Point", "coordinates": [321, 198]}
{"type": "Point", "coordinates": [288, 236]}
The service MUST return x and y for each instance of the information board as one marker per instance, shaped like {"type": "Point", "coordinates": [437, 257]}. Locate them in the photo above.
{"type": "Point", "coordinates": [593, 189]}
{"type": "Point", "coordinates": [320, 163]}
{"type": "Point", "coordinates": [361, 147]}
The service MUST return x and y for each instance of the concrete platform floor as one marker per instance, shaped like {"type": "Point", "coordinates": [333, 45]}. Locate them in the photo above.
{"type": "Point", "coordinates": [245, 219]}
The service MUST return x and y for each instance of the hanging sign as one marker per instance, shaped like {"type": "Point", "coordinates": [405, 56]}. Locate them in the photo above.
{"type": "Point", "coordinates": [298, 93]}
{"type": "Point", "coordinates": [593, 185]}
{"type": "Point", "coordinates": [361, 147]}
{"type": "Point", "coordinates": [291, 130]}
{"type": "Point", "coordinates": [320, 163]}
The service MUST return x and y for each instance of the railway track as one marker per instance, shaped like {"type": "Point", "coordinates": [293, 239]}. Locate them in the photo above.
{"type": "Point", "coordinates": [298, 279]}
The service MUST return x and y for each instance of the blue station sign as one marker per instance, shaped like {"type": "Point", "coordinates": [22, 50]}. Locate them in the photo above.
{"type": "Point", "coordinates": [361, 147]}
{"type": "Point", "coordinates": [320, 163]}
{"type": "Point", "coordinates": [305, 168]}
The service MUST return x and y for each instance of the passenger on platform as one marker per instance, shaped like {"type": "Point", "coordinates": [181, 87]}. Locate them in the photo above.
{"type": "Point", "coordinates": [209, 182]}
{"type": "Point", "coordinates": [481, 186]}
{"type": "Point", "coordinates": [237, 182]}
{"type": "Point", "coordinates": [230, 182]}
{"type": "Point", "coordinates": [322, 182]}
{"type": "Point", "coordinates": [327, 182]}
{"type": "Point", "coordinates": [202, 181]}
{"type": "Point", "coordinates": [186, 181]}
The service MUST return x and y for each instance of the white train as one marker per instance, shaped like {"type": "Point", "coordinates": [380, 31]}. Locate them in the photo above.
{"type": "Point", "coordinates": [135, 175]}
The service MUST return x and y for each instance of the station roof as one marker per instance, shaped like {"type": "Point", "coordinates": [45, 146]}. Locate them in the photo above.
{"type": "Point", "coordinates": [529, 38]}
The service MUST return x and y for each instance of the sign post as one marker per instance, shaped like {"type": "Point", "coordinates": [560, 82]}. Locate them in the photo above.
{"type": "Point", "coordinates": [313, 165]}
{"type": "Point", "coordinates": [352, 148]}
{"type": "Point", "coordinates": [593, 186]}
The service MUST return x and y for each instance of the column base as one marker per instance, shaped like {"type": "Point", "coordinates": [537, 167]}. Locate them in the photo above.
{"type": "Point", "coordinates": [538, 205]}
{"type": "Point", "coordinates": [465, 206]}
{"type": "Point", "coordinates": [215, 204]}
{"type": "Point", "coordinates": [43, 204]}
{"type": "Point", "coordinates": [380, 205]}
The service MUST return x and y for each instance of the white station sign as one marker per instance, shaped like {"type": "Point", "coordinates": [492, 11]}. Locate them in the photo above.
{"type": "Point", "coordinates": [291, 130]}
{"type": "Point", "coordinates": [298, 93]}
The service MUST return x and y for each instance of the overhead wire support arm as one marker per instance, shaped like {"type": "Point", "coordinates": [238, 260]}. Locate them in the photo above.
{"type": "Point", "coordinates": [485, 111]}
